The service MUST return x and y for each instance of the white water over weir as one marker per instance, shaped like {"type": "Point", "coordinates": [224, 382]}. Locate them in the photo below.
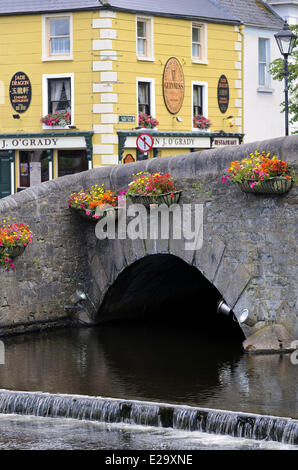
{"type": "Point", "coordinates": [111, 410]}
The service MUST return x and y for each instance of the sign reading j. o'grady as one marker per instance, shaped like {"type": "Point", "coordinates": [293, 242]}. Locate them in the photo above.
{"type": "Point", "coordinates": [20, 92]}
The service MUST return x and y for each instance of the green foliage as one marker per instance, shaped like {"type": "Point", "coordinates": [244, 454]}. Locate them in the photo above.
{"type": "Point", "coordinates": [277, 68]}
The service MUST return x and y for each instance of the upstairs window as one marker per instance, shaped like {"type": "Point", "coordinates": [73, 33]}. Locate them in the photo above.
{"type": "Point", "coordinates": [144, 98]}
{"type": "Point", "coordinates": [198, 43]}
{"type": "Point", "coordinates": [144, 38]}
{"type": "Point", "coordinates": [59, 95]}
{"type": "Point", "coordinates": [57, 37]}
{"type": "Point", "coordinates": [197, 100]}
{"type": "Point", "coordinates": [264, 60]}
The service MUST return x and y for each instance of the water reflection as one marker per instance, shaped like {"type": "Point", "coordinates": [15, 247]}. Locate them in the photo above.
{"type": "Point", "coordinates": [145, 363]}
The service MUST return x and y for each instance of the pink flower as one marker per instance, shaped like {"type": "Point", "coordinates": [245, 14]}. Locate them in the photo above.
{"type": "Point", "coordinates": [88, 212]}
{"type": "Point", "coordinates": [253, 184]}
{"type": "Point", "coordinates": [6, 260]}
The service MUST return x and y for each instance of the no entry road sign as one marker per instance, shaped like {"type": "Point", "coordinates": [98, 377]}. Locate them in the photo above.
{"type": "Point", "coordinates": [145, 142]}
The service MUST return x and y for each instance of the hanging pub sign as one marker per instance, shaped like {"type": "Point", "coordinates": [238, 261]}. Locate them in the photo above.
{"type": "Point", "coordinates": [20, 92]}
{"type": "Point", "coordinates": [223, 94]}
{"type": "Point", "coordinates": [173, 85]}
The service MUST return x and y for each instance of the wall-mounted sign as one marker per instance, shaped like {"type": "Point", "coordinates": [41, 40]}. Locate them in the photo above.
{"type": "Point", "coordinates": [173, 85]}
{"type": "Point", "coordinates": [173, 142]}
{"type": "Point", "coordinates": [223, 141]}
{"type": "Point", "coordinates": [144, 142]}
{"type": "Point", "coordinates": [127, 119]}
{"type": "Point", "coordinates": [20, 92]}
{"type": "Point", "coordinates": [26, 143]}
{"type": "Point", "coordinates": [223, 94]}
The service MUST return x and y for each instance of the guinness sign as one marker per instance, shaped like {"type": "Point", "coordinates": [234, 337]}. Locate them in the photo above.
{"type": "Point", "coordinates": [20, 92]}
{"type": "Point", "coordinates": [173, 85]}
{"type": "Point", "coordinates": [223, 94]}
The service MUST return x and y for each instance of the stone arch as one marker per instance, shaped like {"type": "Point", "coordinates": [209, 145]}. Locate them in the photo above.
{"type": "Point", "coordinates": [162, 289]}
{"type": "Point", "coordinates": [110, 258]}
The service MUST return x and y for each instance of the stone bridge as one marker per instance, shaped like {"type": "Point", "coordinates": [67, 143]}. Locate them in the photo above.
{"type": "Point", "coordinates": [249, 252]}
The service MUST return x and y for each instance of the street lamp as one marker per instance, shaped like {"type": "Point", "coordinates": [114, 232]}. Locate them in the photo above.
{"type": "Point", "coordinates": [286, 40]}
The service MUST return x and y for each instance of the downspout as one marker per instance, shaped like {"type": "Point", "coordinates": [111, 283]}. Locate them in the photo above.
{"type": "Point", "coordinates": [241, 28]}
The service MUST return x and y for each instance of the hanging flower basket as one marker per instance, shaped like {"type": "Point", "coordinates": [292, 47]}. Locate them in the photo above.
{"type": "Point", "coordinates": [167, 198]}
{"type": "Point", "coordinates": [91, 215]}
{"type": "Point", "coordinates": [13, 240]}
{"type": "Point", "coordinates": [149, 189]}
{"type": "Point", "coordinates": [13, 251]}
{"type": "Point", "coordinates": [86, 201]}
{"type": "Point", "coordinates": [276, 185]}
{"type": "Point", "coordinates": [261, 173]}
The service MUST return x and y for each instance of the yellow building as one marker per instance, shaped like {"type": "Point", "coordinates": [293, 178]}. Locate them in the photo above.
{"type": "Point", "coordinates": [99, 66]}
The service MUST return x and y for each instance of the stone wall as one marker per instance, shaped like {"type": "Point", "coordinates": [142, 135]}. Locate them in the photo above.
{"type": "Point", "coordinates": [249, 250]}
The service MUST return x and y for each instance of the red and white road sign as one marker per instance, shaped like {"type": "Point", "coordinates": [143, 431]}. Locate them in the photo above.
{"type": "Point", "coordinates": [145, 142]}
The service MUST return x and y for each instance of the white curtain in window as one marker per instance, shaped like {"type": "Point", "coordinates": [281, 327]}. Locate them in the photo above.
{"type": "Point", "coordinates": [67, 89]}
{"type": "Point", "coordinates": [56, 89]}
{"type": "Point", "coordinates": [142, 94]}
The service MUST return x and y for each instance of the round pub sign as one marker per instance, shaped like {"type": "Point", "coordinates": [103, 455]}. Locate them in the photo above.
{"type": "Point", "coordinates": [223, 93]}
{"type": "Point", "coordinates": [173, 85]}
{"type": "Point", "coordinates": [20, 92]}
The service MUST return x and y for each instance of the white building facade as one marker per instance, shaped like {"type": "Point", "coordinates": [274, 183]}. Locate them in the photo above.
{"type": "Point", "coordinates": [262, 116]}
{"type": "Point", "coordinates": [288, 9]}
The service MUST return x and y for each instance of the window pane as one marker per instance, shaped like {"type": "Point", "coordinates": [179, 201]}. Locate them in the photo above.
{"type": "Point", "coordinates": [262, 74]}
{"type": "Point", "coordinates": [196, 50]}
{"type": "Point", "coordinates": [142, 46]}
{"type": "Point", "coordinates": [59, 95]}
{"type": "Point", "coordinates": [141, 29]}
{"type": "Point", "coordinates": [71, 161]}
{"type": "Point", "coordinates": [59, 27]}
{"type": "Point", "coordinates": [144, 97]}
{"type": "Point", "coordinates": [60, 45]}
{"type": "Point", "coordinates": [196, 34]}
{"type": "Point", "coordinates": [262, 50]}
{"type": "Point", "coordinates": [197, 100]}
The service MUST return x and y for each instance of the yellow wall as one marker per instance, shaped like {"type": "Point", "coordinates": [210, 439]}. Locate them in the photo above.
{"type": "Point", "coordinates": [21, 50]}
{"type": "Point", "coordinates": [173, 39]}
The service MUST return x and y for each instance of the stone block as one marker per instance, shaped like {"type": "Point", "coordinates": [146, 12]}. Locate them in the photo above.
{"type": "Point", "coordinates": [209, 257]}
{"type": "Point", "coordinates": [270, 339]}
{"type": "Point", "coordinates": [238, 283]}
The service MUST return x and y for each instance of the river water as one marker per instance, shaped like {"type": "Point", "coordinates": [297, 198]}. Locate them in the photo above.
{"type": "Point", "coordinates": [163, 364]}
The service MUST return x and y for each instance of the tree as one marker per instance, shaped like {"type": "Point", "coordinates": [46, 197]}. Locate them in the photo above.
{"type": "Point", "coordinates": [276, 69]}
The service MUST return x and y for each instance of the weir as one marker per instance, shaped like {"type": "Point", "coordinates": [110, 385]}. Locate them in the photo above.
{"type": "Point", "coordinates": [187, 418]}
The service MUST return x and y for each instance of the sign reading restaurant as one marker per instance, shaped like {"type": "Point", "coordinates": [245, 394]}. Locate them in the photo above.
{"type": "Point", "coordinates": [20, 92]}
{"type": "Point", "coordinates": [21, 143]}
{"type": "Point", "coordinates": [222, 141]}
{"type": "Point", "coordinates": [173, 85]}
